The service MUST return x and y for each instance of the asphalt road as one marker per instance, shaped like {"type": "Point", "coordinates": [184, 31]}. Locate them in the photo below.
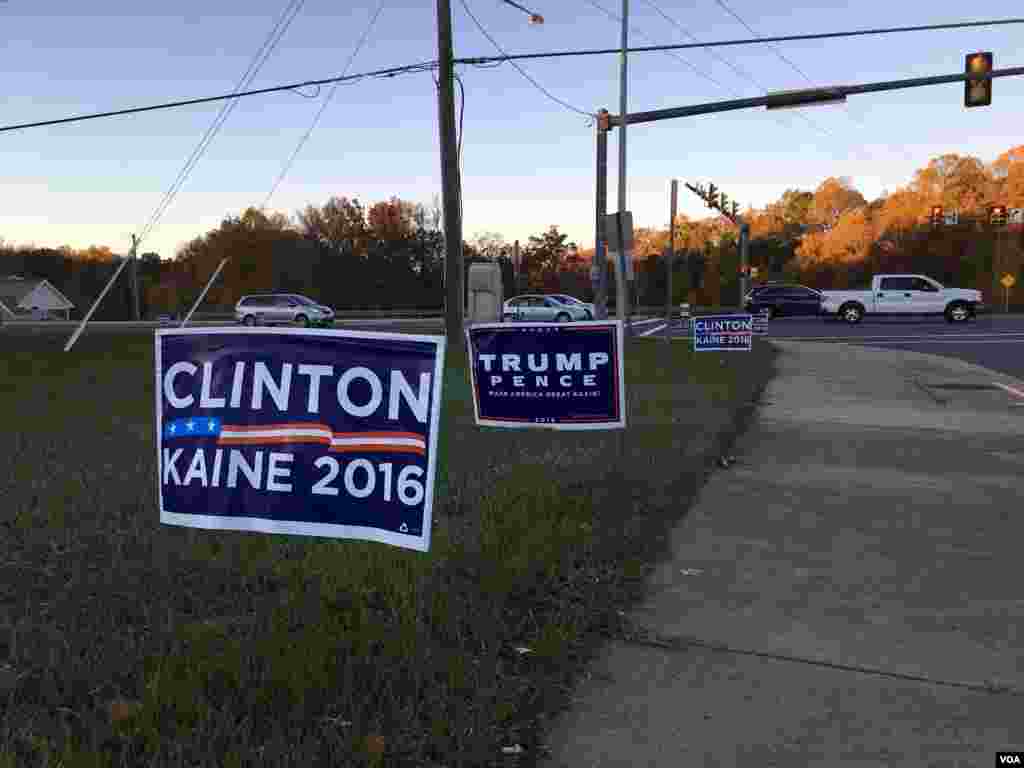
{"type": "Point", "coordinates": [993, 341]}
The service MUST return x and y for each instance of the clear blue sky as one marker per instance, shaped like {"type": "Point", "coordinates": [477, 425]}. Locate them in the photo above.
{"type": "Point", "coordinates": [528, 163]}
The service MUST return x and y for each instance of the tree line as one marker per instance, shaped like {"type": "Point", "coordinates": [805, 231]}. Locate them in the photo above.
{"type": "Point", "coordinates": [391, 254]}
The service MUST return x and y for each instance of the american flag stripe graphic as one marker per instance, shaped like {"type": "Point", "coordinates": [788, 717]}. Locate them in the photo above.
{"type": "Point", "coordinates": [337, 442]}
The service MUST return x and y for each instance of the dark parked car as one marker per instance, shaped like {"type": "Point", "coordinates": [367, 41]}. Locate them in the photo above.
{"type": "Point", "coordinates": [784, 300]}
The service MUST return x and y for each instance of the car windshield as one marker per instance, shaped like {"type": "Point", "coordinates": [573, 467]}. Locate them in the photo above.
{"type": "Point", "coordinates": [304, 301]}
{"type": "Point", "coordinates": [566, 299]}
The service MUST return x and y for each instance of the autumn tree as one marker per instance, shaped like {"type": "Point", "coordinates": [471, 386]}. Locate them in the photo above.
{"type": "Point", "coordinates": [1008, 177]}
{"type": "Point", "coordinates": [831, 200]}
{"type": "Point", "coordinates": [393, 219]}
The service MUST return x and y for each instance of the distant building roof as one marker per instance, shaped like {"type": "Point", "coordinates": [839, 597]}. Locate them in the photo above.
{"type": "Point", "coordinates": [15, 288]}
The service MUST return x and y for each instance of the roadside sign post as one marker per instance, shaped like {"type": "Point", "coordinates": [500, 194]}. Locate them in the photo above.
{"type": "Point", "coordinates": [761, 323]}
{"type": "Point", "coordinates": [684, 315]}
{"type": "Point", "coordinates": [1008, 282]}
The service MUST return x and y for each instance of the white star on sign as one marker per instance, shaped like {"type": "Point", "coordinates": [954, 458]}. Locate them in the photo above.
{"type": "Point", "coordinates": [172, 429]}
{"type": "Point", "coordinates": [211, 426]}
{"type": "Point", "coordinates": [190, 424]}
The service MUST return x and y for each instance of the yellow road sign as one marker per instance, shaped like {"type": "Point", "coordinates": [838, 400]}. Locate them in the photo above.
{"type": "Point", "coordinates": [1008, 280]}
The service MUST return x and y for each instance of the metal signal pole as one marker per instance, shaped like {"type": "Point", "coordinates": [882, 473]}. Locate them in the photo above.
{"type": "Point", "coordinates": [135, 277]}
{"type": "Point", "coordinates": [670, 256]}
{"type": "Point", "coordinates": [623, 283]}
{"type": "Point", "coordinates": [600, 266]}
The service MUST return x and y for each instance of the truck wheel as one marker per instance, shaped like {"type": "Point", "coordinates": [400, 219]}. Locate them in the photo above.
{"type": "Point", "coordinates": [851, 313]}
{"type": "Point", "coordinates": [958, 312]}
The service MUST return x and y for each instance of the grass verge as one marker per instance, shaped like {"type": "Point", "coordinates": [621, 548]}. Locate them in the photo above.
{"type": "Point", "coordinates": [123, 642]}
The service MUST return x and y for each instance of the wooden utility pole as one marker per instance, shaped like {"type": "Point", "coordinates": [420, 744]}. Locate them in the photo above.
{"type": "Point", "coordinates": [450, 185]}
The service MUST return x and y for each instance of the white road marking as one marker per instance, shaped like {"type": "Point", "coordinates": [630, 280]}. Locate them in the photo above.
{"type": "Point", "coordinates": [896, 338]}
{"type": "Point", "coordinates": [938, 341]}
{"type": "Point", "coordinates": [649, 320]}
{"type": "Point", "coordinates": [655, 329]}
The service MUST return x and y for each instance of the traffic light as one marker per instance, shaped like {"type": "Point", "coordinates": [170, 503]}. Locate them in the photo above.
{"type": "Point", "coordinates": [997, 215]}
{"type": "Point", "coordinates": [753, 272]}
{"type": "Point", "coordinates": [937, 215]}
{"type": "Point", "coordinates": [978, 93]}
{"type": "Point", "coordinates": [603, 120]}
{"type": "Point", "coordinates": [712, 198]}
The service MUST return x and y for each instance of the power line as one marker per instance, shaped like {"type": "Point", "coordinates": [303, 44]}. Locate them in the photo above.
{"type": "Point", "coordinates": [806, 77]}
{"type": "Point", "coordinates": [478, 60]}
{"type": "Point", "coordinates": [778, 53]}
{"type": "Point", "coordinates": [667, 52]}
{"type": "Point", "coordinates": [257, 62]}
{"type": "Point", "coordinates": [425, 66]}
{"type": "Point", "coordinates": [302, 142]}
{"type": "Point", "coordinates": [732, 91]}
{"type": "Point", "coordinates": [733, 66]}
{"type": "Point", "coordinates": [521, 71]}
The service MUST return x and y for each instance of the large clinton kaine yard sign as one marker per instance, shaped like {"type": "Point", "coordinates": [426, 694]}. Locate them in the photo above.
{"type": "Point", "coordinates": [559, 376]}
{"type": "Point", "coordinates": [310, 432]}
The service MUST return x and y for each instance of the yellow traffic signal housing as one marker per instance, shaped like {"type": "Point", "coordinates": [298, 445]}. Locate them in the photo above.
{"type": "Point", "coordinates": [978, 93]}
{"type": "Point", "coordinates": [997, 215]}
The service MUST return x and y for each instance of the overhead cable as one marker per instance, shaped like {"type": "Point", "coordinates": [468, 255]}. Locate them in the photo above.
{"type": "Point", "coordinates": [257, 62]}
{"type": "Point", "coordinates": [478, 60]}
{"type": "Point", "coordinates": [425, 66]}
{"type": "Point", "coordinates": [305, 137]}
{"type": "Point", "coordinates": [521, 71]}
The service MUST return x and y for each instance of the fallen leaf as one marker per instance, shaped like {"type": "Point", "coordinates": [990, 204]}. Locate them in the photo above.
{"type": "Point", "coordinates": [123, 709]}
{"type": "Point", "coordinates": [375, 744]}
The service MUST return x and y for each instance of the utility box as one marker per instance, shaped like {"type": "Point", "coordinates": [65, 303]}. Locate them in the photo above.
{"type": "Point", "coordinates": [485, 293]}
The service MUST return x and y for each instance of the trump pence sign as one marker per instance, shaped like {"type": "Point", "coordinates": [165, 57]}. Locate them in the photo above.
{"type": "Point", "coordinates": [309, 432]}
{"type": "Point", "coordinates": [554, 375]}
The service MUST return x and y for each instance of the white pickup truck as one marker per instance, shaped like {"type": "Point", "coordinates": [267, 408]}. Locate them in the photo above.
{"type": "Point", "coordinates": [903, 295]}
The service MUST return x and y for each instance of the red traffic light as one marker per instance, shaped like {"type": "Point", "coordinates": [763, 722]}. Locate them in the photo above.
{"type": "Point", "coordinates": [978, 93]}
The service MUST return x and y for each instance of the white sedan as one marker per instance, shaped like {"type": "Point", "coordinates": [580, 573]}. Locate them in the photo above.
{"type": "Point", "coordinates": [542, 309]}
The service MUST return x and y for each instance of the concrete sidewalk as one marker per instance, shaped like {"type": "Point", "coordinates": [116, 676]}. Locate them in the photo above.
{"type": "Point", "coordinates": [849, 592]}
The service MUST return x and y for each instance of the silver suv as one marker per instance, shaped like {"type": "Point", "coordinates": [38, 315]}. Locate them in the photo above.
{"type": "Point", "coordinates": [275, 308]}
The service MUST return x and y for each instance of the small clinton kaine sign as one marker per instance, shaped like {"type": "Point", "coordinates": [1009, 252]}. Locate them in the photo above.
{"type": "Point", "coordinates": [299, 431]}
{"type": "Point", "coordinates": [723, 333]}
